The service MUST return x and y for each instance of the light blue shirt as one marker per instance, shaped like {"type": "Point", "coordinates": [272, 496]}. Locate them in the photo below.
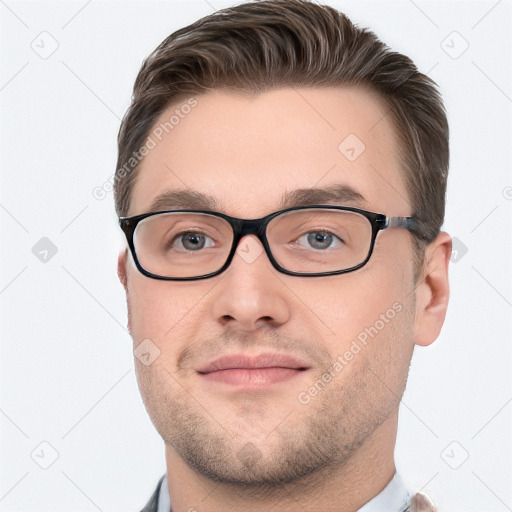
{"type": "Point", "coordinates": [394, 497]}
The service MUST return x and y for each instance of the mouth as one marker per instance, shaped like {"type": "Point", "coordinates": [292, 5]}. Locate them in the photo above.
{"type": "Point", "coordinates": [253, 371]}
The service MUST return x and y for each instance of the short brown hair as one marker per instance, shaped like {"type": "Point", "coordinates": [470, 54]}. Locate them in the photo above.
{"type": "Point", "coordinates": [259, 46]}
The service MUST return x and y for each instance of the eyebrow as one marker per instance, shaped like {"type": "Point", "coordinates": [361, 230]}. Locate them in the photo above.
{"type": "Point", "coordinates": [338, 193]}
{"type": "Point", "coordinates": [189, 199]}
{"type": "Point", "coordinates": [183, 199]}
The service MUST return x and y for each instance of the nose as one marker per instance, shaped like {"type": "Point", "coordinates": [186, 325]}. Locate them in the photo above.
{"type": "Point", "coordinates": [251, 295]}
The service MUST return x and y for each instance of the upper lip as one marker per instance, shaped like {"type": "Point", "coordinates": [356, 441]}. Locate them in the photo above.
{"type": "Point", "coordinates": [266, 360]}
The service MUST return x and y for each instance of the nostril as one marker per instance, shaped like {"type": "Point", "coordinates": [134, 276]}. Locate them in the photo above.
{"type": "Point", "coordinates": [226, 319]}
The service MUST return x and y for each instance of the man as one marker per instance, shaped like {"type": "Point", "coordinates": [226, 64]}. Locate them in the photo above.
{"type": "Point", "coordinates": [281, 183]}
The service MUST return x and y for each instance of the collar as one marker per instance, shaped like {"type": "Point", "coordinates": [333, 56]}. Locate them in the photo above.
{"type": "Point", "coordinates": [394, 497]}
{"type": "Point", "coordinates": [164, 500]}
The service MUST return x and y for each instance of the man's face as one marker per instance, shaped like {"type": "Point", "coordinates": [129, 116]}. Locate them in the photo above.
{"type": "Point", "coordinates": [247, 153]}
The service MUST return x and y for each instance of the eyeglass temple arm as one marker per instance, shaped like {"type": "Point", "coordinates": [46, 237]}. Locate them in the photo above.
{"type": "Point", "coordinates": [409, 223]}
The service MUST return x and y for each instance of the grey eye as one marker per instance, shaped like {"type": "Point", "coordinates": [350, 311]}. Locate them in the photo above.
{"type": "Point", "coordinates": [192, 241]}
{"type": "Point", "coordinates": [319, 240]}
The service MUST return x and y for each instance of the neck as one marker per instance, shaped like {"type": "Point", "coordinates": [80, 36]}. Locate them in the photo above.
{"type": "Point", "coordinates": [341, 488]}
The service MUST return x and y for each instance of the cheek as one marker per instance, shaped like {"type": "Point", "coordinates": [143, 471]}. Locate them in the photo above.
{"type": "Point", "coordinates": [346, 305]}
{"type": "Point", "coordinates": [160, 309]}
{"type": "Point", "coordinates": [160, 393]}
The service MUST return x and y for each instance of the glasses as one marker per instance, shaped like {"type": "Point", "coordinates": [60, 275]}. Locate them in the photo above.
{"type": "Point", "coordinates": [312, 241]}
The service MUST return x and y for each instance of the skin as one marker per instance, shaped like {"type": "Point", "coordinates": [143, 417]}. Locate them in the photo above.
{"type": "Point", "coordinates": [228, 450]}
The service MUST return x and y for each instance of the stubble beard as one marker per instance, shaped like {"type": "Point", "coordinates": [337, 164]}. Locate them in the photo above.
{"type": "Point", "coordinates": [303, 447]}
{"type": "Point", "coordinates": [306, 446]}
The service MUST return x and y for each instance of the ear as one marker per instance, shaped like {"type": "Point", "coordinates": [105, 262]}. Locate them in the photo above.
{"type": "Point", "coordinates": [121, 267]}
{"type": "Point", "coordinates": [433, 291]}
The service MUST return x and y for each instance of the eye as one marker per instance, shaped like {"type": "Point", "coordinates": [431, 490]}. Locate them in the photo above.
{"type": "Point", "coordinates": [319, 240]}
{"type": "Point", "coordinates": [191, 241]}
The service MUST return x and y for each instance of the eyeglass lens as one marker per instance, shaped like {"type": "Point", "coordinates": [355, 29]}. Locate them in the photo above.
{"type": "Point", "coordinates": [187, 244]}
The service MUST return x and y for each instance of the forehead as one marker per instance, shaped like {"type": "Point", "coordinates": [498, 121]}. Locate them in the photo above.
{"type": "Point", "coordinates": [247, 152]}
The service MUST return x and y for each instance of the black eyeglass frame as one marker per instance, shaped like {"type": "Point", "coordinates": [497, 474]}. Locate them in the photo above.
{"type": "Point", "coordinates": [258, 227]}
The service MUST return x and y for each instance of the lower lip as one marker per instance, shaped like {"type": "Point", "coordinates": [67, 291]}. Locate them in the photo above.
{"type": "Point", "coordinates": [252, 377]}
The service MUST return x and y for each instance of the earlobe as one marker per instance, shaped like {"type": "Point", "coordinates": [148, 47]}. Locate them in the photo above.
{"type": "Point", "coordinates": [433, 291]}
{"type": "Point", "coordinates": [121, 267]}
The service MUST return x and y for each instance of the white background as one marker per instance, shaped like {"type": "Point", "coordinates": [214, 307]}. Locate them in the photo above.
{"type": "Point", "coordinates": [66, 368]}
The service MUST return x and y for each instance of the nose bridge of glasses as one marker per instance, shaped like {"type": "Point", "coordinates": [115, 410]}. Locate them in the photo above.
{"type": "Point", "coordinates": [248, 251]}
{"type": "Point", "coordinates": [242, 228]}
{"type": "Point", "coordinates": [246, 227]}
